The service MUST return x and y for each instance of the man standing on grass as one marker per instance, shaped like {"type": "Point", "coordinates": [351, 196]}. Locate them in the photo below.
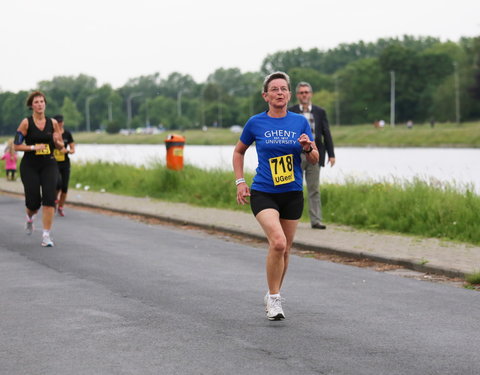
{"type": "Point", "coordinates": [317, 117]}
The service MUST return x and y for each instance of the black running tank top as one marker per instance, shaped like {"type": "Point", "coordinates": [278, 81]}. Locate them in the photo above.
{"type": "Point", "coordinates": [35, 136]}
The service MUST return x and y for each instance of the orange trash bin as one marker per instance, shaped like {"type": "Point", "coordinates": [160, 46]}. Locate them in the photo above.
{"type": "Point", "coordinates": [174, 144]}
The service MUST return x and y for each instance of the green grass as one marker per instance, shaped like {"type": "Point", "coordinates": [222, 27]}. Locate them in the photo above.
{"type": "Point", "coordinates": [409, 207]}
{"type": "Point", "coordinates": [473, 278]}
{"type": "Point", "coordinates": [442, 135]}
{"type": "Point", "coordinates": [214, 188]}
{"type": "Point", "coordinates": [412, 208]}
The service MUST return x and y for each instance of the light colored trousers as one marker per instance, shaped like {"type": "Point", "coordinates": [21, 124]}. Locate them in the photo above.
{"type": "Point", "coordinates": [312, 179]}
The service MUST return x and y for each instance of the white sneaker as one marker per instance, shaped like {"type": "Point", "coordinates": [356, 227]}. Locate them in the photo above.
{"type": "Point", "coordinates": [274, 308]}
{"type": "Point", "coordinates": [47, 242]}
{"type": "Point", "coordinates": [29, 228]}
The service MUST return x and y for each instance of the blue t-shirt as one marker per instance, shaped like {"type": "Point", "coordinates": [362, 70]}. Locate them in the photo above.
{"type": "Point", "coordinates": [278, 150]}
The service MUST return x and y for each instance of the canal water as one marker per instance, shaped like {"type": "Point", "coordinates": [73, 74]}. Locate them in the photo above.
{"type": "Point", "coordinates": [459, 167]}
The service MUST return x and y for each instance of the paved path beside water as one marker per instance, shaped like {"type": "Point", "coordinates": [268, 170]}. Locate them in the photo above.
{"type": "Point", "coordinates": [428, 255]}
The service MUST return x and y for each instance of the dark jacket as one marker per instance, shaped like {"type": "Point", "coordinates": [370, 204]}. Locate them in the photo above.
{"type": "Point", "coordinates": [323, 138]}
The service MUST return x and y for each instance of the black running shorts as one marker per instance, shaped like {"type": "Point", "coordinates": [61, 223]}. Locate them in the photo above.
{"type": "Point", "coordinates": [289, 204]}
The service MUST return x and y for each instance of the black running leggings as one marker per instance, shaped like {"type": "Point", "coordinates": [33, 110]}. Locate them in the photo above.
{"type": "Point", "coordinates": [37, 174]}
{"type": "Point", "coordinates": [63, 177]}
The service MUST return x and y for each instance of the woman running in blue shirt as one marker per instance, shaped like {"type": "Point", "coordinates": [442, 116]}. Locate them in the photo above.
{"type": "Point", "coordinates": [276, 194]}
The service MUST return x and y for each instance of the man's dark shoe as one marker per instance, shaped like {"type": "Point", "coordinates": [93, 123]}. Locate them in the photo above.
{"type": "Point", "coordinates": [319, 226]}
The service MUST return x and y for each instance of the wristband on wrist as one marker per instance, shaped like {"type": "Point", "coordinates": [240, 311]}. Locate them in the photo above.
{"type": "Point", "coordinates": [239, 181]}
{"type": "Point", "coordinates": [309, 151]}
{"type": "Point", "coordinates": [32, 147]}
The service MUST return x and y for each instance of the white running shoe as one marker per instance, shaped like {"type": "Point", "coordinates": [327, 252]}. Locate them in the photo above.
{"type": "Point", "coordinates": [47, 242]}
{"type": "Point", "coordinates": [274, 308]}
{"type": "Point", "coordinates": [29, 228]}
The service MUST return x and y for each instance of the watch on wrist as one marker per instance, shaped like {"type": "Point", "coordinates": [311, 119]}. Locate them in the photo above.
{"type": "Point", "coordinates": [309, 151]}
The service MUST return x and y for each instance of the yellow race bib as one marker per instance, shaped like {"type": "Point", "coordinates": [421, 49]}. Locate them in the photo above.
{"type": "Point", "coordinates": [282, 169]}
{"type": "Point", "coordinates": [59, 156]}
{"type": "Point", "coordinates": [45, 151]}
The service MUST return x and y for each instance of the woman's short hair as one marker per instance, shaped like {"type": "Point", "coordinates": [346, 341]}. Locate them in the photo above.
{"type": "Point", "coordinates": [33, 95]}
{"type": "Point", "coordinates": [275, 75]}
{"type": "Point", "coordinates": [59, 118]}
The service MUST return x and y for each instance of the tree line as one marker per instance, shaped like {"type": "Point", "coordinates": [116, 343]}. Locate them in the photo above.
{"type": "Point", "coordinates": [432, 80]}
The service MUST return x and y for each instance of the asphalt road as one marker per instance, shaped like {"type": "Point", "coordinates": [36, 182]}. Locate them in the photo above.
{"type": "Point", "coordinates": [117, 296]}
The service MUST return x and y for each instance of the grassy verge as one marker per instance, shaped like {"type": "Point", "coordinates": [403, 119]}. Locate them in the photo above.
{"type": "Point", "coordinates": [412, 208]}
{"type": "Point", "coordinates": [473, 278]}
{"type": "Point", "coordinates": [442, 135]}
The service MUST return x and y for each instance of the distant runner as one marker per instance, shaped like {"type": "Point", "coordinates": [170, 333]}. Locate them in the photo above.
{"type": "Point", "coordinates": [63, 162]}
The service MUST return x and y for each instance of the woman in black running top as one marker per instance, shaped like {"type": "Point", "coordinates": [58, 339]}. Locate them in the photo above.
{"type": "Point", "coordinates": [63, 162]}
{"type": "Point", "coordinates": [38, 168]}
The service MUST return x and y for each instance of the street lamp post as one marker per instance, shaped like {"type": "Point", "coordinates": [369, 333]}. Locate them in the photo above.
{"type": "Point", "coordinates": [219, 108]}
{"type": "Point", "coordinates": [129, 107]}
{"type": "Point", "coordinates": [179, 103]}
{"type": "Point", "coordinates": [392, 98]}
{"type": "Point", "coordinates": [147, 115]}
{"type": "Point", "coordinates": [87, 110]}
{"type": "Point", "coordinates": [110, 112]}
{"type": "Point", "coordinates": [202, 102]}
{"type": "Point", "coordinates": [337, 102]}
{"type": "Point", "coordinates": [457, 94]}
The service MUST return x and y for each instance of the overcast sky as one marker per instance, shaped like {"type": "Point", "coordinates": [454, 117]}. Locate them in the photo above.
{"type": "Point", "coordinates": [115, 40]}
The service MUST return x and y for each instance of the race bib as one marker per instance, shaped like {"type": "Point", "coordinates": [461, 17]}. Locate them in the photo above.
{"type": "Point", "coordinates": [282, 169]}
{"type": "Point", "coordinates": [59, 156]}
{"type": "Point", "coordinates": [45, 151]}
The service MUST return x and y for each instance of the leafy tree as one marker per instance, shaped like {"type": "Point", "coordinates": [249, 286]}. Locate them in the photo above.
{"type": "Point", "coordinates": [443, 101]}
{"type": "Point", "coordinates": [326, 100]}
{"type": "Point", "coordinates": [162, 111]}
{"type": "Point", "coordinates": [282, 61]}
{"type": "Point", "coordinates": [148, 85]}
{"type": "Point", "coordinates": [317, 80]}
{"type": "Point", "coordinates": [176, 83]}
{"type": "Point", "coordinates": [76, 88]}
{"type": "Point", "coordinates": [363, 92]}
{"type": "Point", "coordinates": [73, 118]}
{"type": "Point", "coordinates": [113, 127]}
{"type": "Point", "coordinates": [232, 81]}
{"type": "Point", "coordinates": [13, 110]}
{"type": "Point", "coordinates": [474, 87]}
{"type": "Point", "coordinates": [423, 69]}
{"type": "Point", "coordinates": [114, 104]}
